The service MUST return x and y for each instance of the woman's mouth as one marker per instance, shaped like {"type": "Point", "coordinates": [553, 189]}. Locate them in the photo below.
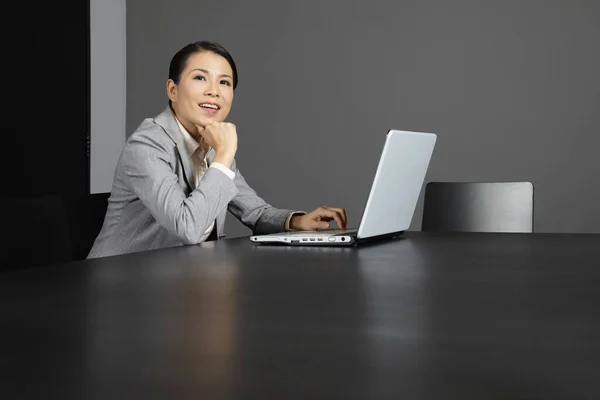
{"type": "Point", "coordinates": [210, 108]}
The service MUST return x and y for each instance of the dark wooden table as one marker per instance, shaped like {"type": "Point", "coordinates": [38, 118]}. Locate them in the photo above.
{"type": "Point", "coordinates": [428, 316]}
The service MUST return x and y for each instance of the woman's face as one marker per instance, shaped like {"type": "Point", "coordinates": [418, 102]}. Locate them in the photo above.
{"type": "Point", "coordinates": [205, 91]}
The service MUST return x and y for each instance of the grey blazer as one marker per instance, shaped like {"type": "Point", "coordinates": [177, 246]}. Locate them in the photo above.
{"type": "Point", "coordinates": [153, 205]}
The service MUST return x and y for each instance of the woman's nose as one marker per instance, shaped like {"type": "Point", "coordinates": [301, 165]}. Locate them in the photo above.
{"type": "Point", "coordinates": [212, 90]}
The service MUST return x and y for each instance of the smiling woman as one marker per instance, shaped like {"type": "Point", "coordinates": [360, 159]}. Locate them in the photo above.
{"type": "Point", "coordinates": [177, 178]}
{"type": "Point", "coordinates": [202, 78]}
{"type": "Point", "coordinates": [202, 75]}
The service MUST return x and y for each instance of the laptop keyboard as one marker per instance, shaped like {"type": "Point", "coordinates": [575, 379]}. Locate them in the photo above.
{"type": "Point", "coordinates": [337, 231]}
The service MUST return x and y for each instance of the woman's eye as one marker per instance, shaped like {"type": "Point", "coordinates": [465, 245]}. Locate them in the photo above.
{"type": "Point", "coordinates": [226, 83]}
{"type": "Point", "coordinates": [199, 77]}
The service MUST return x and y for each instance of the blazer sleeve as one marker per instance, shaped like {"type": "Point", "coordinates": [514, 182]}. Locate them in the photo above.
{"type": "Point", "coordinates": [150, 172]}
{"type": "Point", "coordinates": [253, 211]}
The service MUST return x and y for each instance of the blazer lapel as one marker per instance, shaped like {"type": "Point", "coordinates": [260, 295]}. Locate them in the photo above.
{"type": "Point", "coordinates": [167, 121]}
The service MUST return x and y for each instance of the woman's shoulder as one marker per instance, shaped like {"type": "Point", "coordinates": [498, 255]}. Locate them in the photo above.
{"type": "Point", "coordinates": [160, 130]}
{"type": "Point", "coordinates": [150, 133]}
{"type": "Point", "coordinates": [148, 142]}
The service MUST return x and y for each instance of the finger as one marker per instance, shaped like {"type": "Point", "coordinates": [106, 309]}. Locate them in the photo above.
{"type": "Point", "coordinates": [334, 215]}
{"type": "Point", "coordinates": [322, 225]}
{"type": "Point", "coordinates": [341, 212]}
{"type": "Point", "coordinates": [319, 221]}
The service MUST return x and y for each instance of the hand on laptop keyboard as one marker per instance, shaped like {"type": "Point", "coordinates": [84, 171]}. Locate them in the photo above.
{"type": "Point", "coordinates": [319, 219]}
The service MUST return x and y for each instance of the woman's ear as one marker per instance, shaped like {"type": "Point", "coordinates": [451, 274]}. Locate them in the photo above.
{"type": "Point", "coordinates": [172, 90]}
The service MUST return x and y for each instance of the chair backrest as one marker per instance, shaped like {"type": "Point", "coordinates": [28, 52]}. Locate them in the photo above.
{"type": "Point", "coordinates": [87, 219]}
{"type": "Point", "coordinates": [36, 231]}
{"type": "Point", "coordinates": [478, 207]}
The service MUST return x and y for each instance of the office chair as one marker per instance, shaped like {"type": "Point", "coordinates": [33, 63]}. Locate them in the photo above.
{"type": "Point", "coordinates": [36, 231]}
{"type": "Point", "coordinates": [478, 207]}
{"type": "Point", "coordinates": [87, 218]}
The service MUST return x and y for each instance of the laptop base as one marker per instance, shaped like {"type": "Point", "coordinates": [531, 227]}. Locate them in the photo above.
{"type": "Point", "coordinates": [322, 240]}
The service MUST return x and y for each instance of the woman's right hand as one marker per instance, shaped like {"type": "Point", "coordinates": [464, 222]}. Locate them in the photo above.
{"type": "Point", "coordinates": [221, 136]}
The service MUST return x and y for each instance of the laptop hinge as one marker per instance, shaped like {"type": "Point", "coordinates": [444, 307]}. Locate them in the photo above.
{"type": "Point", "coordinates": [377, 238]}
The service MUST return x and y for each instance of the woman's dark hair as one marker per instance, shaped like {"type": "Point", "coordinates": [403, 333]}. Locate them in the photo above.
{"type": "Point", "coordinates": [180, 58]}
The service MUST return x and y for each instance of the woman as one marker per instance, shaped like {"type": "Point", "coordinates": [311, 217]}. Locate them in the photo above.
{"type": "Point", "coordinates": [176, 178]}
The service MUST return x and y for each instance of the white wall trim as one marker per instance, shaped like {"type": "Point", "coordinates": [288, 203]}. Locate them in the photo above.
{"type": "Point", "coordinates": [108, 89]}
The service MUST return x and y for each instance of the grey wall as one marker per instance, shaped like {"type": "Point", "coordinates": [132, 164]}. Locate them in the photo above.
{"type": "Point", "coordinates": [512, 89]}
{"type": "Point", "coordinates": [107, 90]}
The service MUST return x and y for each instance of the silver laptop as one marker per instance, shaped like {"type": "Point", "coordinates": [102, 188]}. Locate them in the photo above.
{"type": "Point", "coordinates": [392, 200]}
